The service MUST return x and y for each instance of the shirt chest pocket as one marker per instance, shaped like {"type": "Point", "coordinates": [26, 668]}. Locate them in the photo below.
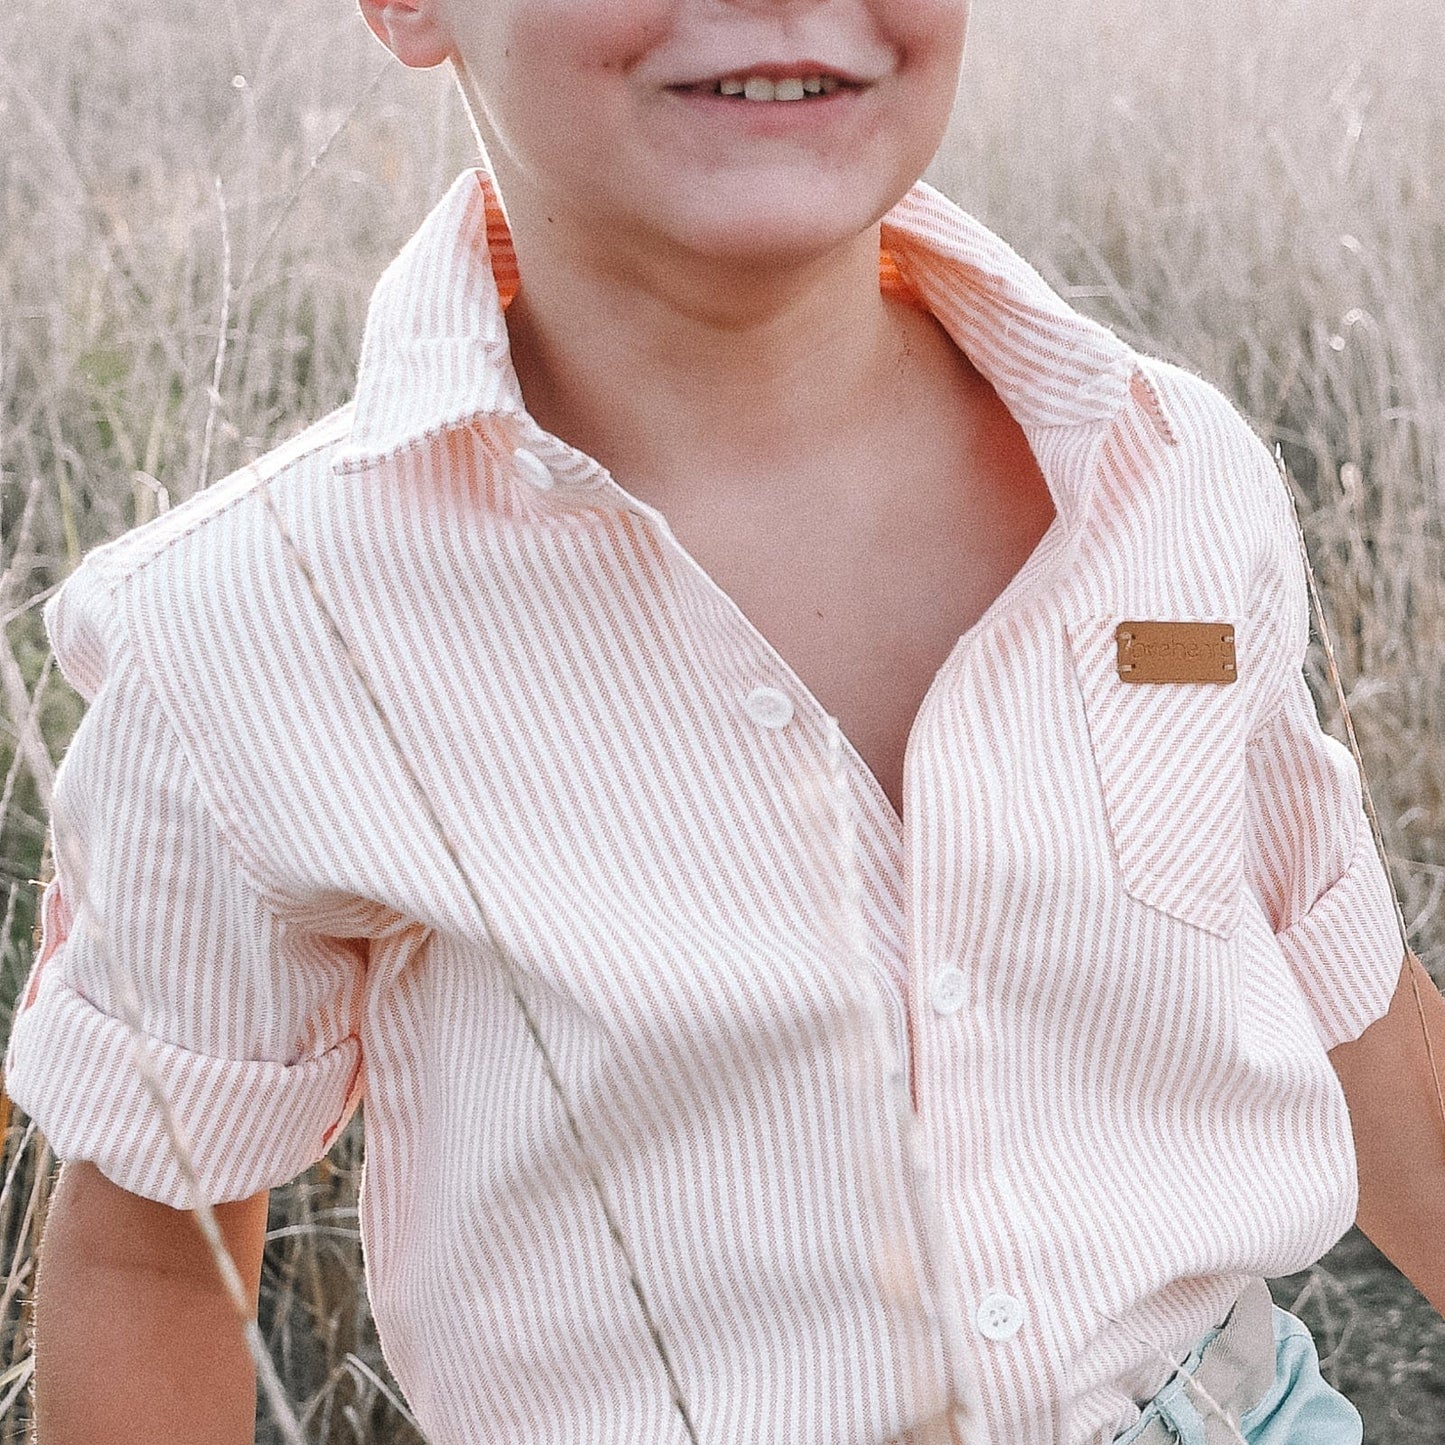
{"type": "Point", "coordinates": [1170, 760]}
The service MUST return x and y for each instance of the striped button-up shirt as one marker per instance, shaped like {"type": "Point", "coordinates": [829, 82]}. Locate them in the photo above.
{"type": "Point", "coordinates": [424, 766]}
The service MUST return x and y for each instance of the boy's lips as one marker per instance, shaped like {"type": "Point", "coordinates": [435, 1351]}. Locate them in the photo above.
{"type": "Point", "coordinates": [773, 100]}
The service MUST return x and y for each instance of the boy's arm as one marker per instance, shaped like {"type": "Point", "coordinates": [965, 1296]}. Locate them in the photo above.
{"type": "Point", "coordinates": [134, 1337]}
{"type": "Point", "coordinates": [1399, 1133]}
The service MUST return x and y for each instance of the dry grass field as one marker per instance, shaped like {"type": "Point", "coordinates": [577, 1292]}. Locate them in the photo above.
{"type": "Point", "coordinates": [195, 200]}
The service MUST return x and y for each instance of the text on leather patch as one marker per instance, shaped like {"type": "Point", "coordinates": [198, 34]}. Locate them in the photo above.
{"type": "Point", "coordinates": [1176, 652]}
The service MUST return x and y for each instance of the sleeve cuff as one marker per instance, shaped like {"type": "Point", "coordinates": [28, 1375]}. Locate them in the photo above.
{"type": "Point", "coordinates": [251, 1124]}
{"type": "Point", "coordinates": [1346, 951]}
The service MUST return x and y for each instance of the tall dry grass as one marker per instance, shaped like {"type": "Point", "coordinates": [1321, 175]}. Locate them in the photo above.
{"type": "Point", "coordinates": [1254, 190]}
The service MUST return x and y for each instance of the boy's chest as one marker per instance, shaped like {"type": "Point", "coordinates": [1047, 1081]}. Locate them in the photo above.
{"type": "Point", "coordinates": [865, 609]}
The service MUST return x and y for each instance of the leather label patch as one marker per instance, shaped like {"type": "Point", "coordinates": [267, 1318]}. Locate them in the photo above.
{"type": "Point", "coordinates": [1176, 651]}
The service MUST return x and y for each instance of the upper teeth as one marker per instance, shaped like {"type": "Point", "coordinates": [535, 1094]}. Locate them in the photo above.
{"type": "Point", "coordinates": [762, 87]}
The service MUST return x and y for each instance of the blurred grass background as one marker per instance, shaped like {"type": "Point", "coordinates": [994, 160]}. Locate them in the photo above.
{"type": "Point", "coordinates": [1254, 190]}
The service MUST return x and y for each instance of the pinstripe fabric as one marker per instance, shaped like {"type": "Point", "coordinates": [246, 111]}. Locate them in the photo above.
{"type": "Point", "coordinates": [1077, 1072]}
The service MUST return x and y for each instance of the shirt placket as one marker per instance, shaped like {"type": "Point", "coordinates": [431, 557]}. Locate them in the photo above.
{"type": "Point", "coordinates": [952, 1059]}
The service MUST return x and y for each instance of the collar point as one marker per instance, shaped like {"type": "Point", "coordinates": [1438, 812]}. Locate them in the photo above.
{"type": "Point", "coordinates": [1145, 391]}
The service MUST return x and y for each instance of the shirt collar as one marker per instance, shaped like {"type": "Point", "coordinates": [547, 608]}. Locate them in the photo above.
{"type": "Point", "coordinates": [435, 357]}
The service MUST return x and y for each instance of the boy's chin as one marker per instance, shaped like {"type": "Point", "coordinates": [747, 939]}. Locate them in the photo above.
{"type": "Point", "coordinates": [771, 224]}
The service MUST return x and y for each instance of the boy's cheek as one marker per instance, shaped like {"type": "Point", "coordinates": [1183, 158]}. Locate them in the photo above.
{"type": "Point", "coordinates": [558, 39]}
{"type": "Point", "coordinates": [923, 25]}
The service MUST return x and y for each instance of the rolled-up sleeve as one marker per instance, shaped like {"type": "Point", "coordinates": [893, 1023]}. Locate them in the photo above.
{"type": "Point", "coordinates": [1316, 869]}
{"type": "Point", "coordinates": [247, 1019]}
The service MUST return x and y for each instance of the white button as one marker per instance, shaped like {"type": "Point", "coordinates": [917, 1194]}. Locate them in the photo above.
{"type": "Point", "coordinates": [533, 468]}
{"type": "Point", "coordinates": [768, 706]}
{"type": "Point", "coordinates": [949, 991]}
{"type": "Point", "coordinates": [999, 1317]}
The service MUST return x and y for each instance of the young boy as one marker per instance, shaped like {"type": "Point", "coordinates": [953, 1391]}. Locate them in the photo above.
{"type": "Point", "coordinates": [953, 1071]}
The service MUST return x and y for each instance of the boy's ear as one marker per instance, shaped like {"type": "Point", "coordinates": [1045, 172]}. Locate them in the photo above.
{"type": "Point", "coordinates": [415, 31]}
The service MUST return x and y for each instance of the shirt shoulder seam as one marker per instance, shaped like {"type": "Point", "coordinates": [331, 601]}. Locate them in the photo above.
{"type": "Point", "coordinates": [257, 473]}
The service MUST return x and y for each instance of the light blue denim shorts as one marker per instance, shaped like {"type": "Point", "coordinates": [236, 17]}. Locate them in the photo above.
{"type": "Point", "coordinates": [1299, 1408]}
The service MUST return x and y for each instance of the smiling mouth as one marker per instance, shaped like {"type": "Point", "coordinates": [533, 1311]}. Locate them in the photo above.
{"type": "Point", "coordinates": [765, 88]}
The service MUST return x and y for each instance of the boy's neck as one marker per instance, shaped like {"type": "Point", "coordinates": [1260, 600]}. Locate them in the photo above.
{"type": "Point", "coordinates": [688, 376]}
